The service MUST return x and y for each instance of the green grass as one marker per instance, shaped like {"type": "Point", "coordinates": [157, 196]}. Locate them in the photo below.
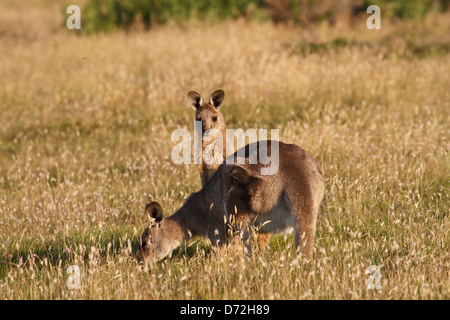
{"type": "Point", "coordinates": [107, 15]}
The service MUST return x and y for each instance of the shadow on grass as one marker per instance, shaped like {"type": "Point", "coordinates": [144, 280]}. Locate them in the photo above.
{"type": "Point", "coordinates": [63, 249]}
{"type": "Point", "coordinates": [191, 249]}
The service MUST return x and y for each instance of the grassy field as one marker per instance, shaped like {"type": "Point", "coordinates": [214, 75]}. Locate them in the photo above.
{"type": "Point", "coordinates": [85, 144]}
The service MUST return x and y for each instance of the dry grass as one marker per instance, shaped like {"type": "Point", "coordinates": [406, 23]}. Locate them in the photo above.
{"type": "Point", "coordinates": [85, 143]}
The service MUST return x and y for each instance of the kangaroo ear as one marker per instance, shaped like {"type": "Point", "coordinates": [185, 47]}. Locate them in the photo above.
{"type": "Point", "coordinates": [241, 175]}
{"type": "Point", "coordinates": [216, 98]}
{"type": "Point", "coordinates": [195, 99]}
{"type": "Point", "coordinates": [155, 212]}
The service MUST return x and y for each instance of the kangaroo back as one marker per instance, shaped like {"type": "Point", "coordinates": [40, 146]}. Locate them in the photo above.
{"type": "Point", "coordinates": [239, 196]}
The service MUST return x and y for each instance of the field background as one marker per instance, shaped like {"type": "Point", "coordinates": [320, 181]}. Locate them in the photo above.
{"type": "Point", "coordinates": [85, 144]}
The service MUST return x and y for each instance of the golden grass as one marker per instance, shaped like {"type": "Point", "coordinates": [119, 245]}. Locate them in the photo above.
{"type": "Point", "coordinates": [85, 143]}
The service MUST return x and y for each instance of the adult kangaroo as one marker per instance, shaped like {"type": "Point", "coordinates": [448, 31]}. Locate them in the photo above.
{"type": "Point", "coordinates": [212, 123]}
{"type": "Point", "coordinates": [214, 150]}
{"type": "Point", "coordinates": [238, 196]}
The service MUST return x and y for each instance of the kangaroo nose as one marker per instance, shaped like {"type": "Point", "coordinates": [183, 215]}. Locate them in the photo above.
{"type": "Point", "coordinates": [206, 126]}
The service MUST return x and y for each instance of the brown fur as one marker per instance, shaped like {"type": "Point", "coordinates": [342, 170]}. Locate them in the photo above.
{"type": "Point", "coordinates": [210, 116]}
{"type": "Point", "coordinates": [238, 197]}
{"type": "Point", "coordinates": [206, 112]}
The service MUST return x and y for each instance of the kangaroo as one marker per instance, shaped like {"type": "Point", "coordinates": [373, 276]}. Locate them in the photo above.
{"type": "Point", "coordinates": [208, 113]}
{"type": "Point", "coordinates": [212, 119]}
{"type": "Point", "coordinates": [238, 196]}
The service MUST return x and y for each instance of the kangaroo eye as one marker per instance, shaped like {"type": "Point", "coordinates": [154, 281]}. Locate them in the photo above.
{"type": "Point", "coordinates": [214, 119]}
